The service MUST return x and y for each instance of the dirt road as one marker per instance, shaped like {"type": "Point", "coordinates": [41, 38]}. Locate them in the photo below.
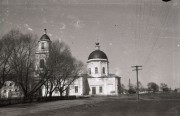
{"type": "Point", "coordinates": [96, 106]}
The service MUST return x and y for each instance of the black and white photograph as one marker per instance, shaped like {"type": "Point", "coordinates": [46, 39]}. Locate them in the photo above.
{"type": "Point", "coordinates": [89, 57]}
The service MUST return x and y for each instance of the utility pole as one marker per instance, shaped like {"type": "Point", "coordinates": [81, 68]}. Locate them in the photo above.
{"type": "Point", "coordinates": [129, 83]}
{"type": "Point", "coordinates": [137, 69]}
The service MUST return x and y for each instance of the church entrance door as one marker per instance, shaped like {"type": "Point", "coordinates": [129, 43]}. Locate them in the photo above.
{"type": "Point", "coordinates": [93, 90]}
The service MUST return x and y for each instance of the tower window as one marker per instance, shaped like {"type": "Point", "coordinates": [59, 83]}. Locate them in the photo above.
{"type": "Point", "coordinates": [100, 89]}
{"type": "Point", "coordinates": [96, 70]}
{"type": "Point", "coordinates": [76, 89]}
{"type": "Point", "coordinates": [42, 63]}
{"type": "Point", "coordinates": [104, 70]}
{"type": "Point", "coordinates": [10, 84]}
{"type": "Point", "coordinates": [89, 70]}
{"type": "Point", "coordinates": [42, 45]}
{"type": "Point", "coordinates": [4, 91]}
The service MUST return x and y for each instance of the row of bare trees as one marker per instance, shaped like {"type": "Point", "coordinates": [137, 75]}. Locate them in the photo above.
{"type": "Point", "coordinates": [18, 62]}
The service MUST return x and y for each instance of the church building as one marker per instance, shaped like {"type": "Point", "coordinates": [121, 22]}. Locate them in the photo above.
{"type": "Point", "coordinates": [97, 81]}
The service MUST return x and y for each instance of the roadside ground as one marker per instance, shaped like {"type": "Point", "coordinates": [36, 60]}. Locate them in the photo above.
{"type": "Point", "coordinates": [97, 106]}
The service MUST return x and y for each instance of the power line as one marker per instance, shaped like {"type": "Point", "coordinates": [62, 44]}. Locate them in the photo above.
{"type": "Point", "coordinates": [160, 33]}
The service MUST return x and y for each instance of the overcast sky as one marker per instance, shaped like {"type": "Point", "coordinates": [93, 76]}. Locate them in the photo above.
{"type": "Point", "coordinates": [130, 32]}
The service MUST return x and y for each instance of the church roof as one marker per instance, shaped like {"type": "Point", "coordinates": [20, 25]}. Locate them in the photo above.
{"type": "Point", "coordinates": [45, 37]}
{"type": "Point", "coordinates": [97, 54]}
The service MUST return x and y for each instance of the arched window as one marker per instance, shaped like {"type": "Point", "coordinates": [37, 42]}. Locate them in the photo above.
{"type": "Point", "coordinates": [42, 45]}
{"type": "Point", "coordinates": [10, 84]}
{"type": "Point", "coordinates": [96, 70]}
{"type": "Point", "coordinates": [4, 91]}
{"type": "Point", "coordinates": [104, 70]}
{"type": "Point", "coordinates": [100, 89]}
{"type": "Point", "coordinates": [42, 63]}
{"type": "Point", "coordinates": [89, 70]}
{"type": "Point", "coordinates": [76, 89]}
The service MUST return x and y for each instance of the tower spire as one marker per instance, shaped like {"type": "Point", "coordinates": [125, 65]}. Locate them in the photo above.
{"type": "Point", "coordinates": [45, 31]}
{"type": "Point", "coordinates": [97, 47]}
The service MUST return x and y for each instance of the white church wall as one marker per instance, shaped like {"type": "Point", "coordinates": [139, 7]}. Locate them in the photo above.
{"type": "Point", "coordinates": [76, 88]}
{"type": "Point", "coordinates": [92, 66]}
{"type": "Point", "coordinates": [96, 83]}
{"type": "Point", "coordinates": [109, 86]}
{"type": "Point", "coordinates": [99, 64]}
{"type": "Point", "coordinates": [105, 65]}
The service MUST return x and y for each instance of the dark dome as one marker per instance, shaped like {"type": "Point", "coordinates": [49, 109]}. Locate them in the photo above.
{"type": "Point", "coordinates": [45, 37]}
{"type": "Point", "coordinates": [97, 54]}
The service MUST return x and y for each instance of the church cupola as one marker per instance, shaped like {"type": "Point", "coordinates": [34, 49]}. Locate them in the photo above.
{"type": "Point", "coordinates": [44, 42]}
{"type": "Point", "coordinates": [45, 37]}
{"type": "Point", "coordinates": [97, 63]}
{"type": "Point", "coordinates": [97, 54]}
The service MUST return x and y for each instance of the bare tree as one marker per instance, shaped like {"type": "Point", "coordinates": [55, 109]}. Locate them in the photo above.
{"type": "Point", "coordinates": [50, 86]}
{"type": "Point", "coordinates": [69, 74]}
{"type": "Point", "coordinates": [17, 60]}
{"type": "Point", "coordinates": [22, 63]}
{"type": "Point", "coordinates": [6, 47]}
{"type": "Point", "coordinates": [66, 68]}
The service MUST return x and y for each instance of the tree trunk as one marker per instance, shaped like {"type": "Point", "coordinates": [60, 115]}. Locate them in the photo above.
{"type": "Point", "coordinates": [26, 97]}
{"type": "Point", "coordinates": [50, 94]}
{"type": "Point", "coordinates": [61, 93]}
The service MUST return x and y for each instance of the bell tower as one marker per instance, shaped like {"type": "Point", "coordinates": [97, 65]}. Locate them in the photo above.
{"type": "Point", "coordinates": [42, 51]}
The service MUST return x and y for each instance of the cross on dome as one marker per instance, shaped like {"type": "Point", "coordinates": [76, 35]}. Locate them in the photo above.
{"type": "Point", "coordinates": [97, 46]}
{"type": "Point", "coordinates": [45, 31]}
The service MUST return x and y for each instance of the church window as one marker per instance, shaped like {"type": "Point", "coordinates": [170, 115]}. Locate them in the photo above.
{"type": "Point", "coordinates": [96, 70]}
{"type": "Point", "coordinates": [42, 63]}
{"type": "Point", "coordinates": [89, 70]}
{"type": "Point", "coordinates": [76, 89]}
{"type": "Point", "coordinates": [42, 45]}
{"type": "Point", "coordinates": [104, 70]}
{"type": "Point", "coordinates": [100, 89]}
{"type": "Point", "coordinates": [4, 91]}
{"type": "Point", "coordinates": [10, 84]}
